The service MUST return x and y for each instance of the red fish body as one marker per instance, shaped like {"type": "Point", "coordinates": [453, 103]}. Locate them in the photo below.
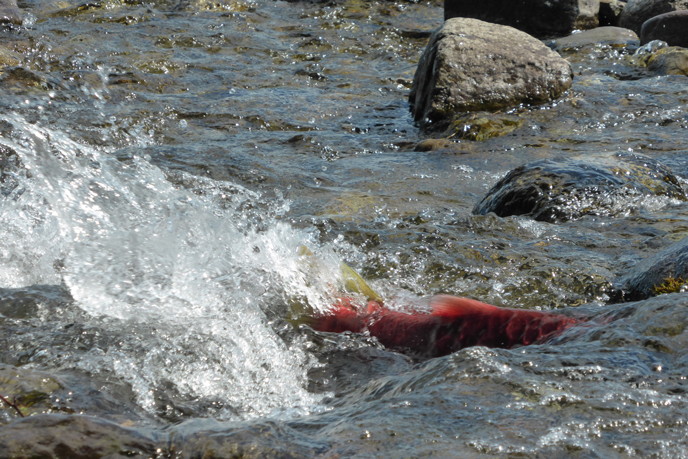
{"type": "Point", "coordinates": [453, 324]}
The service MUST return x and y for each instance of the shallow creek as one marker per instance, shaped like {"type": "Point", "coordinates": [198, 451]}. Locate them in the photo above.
{"type": "Point", "coordinates": [163, 162]}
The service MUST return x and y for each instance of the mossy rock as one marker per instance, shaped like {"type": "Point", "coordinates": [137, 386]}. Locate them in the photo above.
{"type": "Point", "coordinates": [482, 127]}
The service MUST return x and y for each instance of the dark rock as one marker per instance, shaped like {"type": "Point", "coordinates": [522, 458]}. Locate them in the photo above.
{"type": "Point", "coordinates": [71, 436]}
{"type": "Point", "coordinates": [616, 37]}
{"type": "Point", "coordinates": [610, 10]}
{"type": "Point", "coordinates": [669, 27]}
{"type": "Point", "coordinates": [23, 303]}
{"type": "Point", "coordinates": [560, 190]}
{"type": "Point", "coordinates": [9, 13]}
{"type": "Point", "coordinates": [644, 279]}
{"type": "Point", "coordinates": [540, 18]}
{"type": "Point", "coordinates": [472, 65]}
{"type": "Point", "coordinates": [636, 12]}
{"type": "Point", "coordinates": [11, 169]}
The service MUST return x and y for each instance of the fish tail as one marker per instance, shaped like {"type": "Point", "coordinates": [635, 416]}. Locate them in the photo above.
{"type": "Point", "coordinates": [525, 327]}
{"type": "Point", "coordinates": [499, 327]}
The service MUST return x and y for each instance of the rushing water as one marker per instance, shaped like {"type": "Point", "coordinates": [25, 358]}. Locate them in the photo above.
{"type": "Point", "coordinates": [163, 162]}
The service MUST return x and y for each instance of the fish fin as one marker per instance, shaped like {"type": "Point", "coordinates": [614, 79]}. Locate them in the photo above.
{"type": "Point", "coordinates": [453, 307]}
{"type": "Point", "coordinates": [354, 283]}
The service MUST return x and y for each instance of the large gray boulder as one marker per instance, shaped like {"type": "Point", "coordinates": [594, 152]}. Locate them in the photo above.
{"type": "Point", "coordinates": [540, 18]}
{"type": "Point", "coordinates": [473, 65]}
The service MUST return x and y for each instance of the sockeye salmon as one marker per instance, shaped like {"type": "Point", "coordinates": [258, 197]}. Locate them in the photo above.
{"type": "Point", "coordinates": [452, 324]}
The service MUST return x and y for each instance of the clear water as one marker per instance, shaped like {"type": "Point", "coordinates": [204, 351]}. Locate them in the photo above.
{"type": "Point", "coordinates": [162, 164]}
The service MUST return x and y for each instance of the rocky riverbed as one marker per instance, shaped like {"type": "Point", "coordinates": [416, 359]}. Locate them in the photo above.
{"type": "Point", "coordinates": [163, 162]}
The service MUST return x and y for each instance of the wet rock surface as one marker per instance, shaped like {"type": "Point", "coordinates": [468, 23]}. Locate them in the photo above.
{"type": "Point", "coordinates": [636, 12]}
{"type": "Point", "coordinates": [611, 36]}
{"type": "Point", "coordinates": [482, 126]}
{"type": "Point", "coordinates": [542, 19]}
{"type": "Point", "coordinates": [561, 190]}
{"type": "Point", "coordinates": [73, 437]}
{"type": "Point", "coordinates": [25, 303]}
{"type": "Point", "coordinates": [669, 61]}
{"type": "Point", "coordinates": [9, 13]}
{"type": "Point", "coordinates": [473, 65]}
{"type": "Point", "coordinates": [650, 274]}
{"type": "Point", "coordinates": [671, 28]}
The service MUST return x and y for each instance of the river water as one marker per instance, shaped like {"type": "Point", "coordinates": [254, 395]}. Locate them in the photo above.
{"type": "Point", "coordinates": [162, 164]}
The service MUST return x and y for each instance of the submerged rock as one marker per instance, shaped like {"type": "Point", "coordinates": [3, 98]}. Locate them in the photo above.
{"type": "Point", "coordinates": [25, 302]}
{"type": "Point", "coordinates": [17, 78]}
{"type": "Point", "coordinates": [669, 27]}
{"type": "Point", "coordinates": [560, 190]}
{"type": "Point", "coordinates": [540, 18]}
{"type": "Point", "coordinates": [636, 12]}
{"type": "Point", "coordinates": [9, 13]}
{"type": "Point", "coordinates": [482, 126]}
{"type": "Point", "coordinates": [255, 441]}
{"type": "Point", "coordinates": [472, 65]}
{"type": "Point", "coordinates": [438, 145]}
{"type": "Point", "coordinates": [9, 58]}
{"type": "Point", "coordinates": [648, 277]}
{"type": "Point", "coordinates": [72, 436]}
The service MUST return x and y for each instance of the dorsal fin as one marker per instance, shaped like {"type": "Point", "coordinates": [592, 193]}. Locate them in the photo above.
{"type": "Point", "coordinates": [453, 307]}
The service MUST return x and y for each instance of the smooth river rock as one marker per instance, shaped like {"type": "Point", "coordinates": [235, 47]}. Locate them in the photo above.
{"type": "Point", "coordinates": [539, 18]}
{"type": "Point", "coordinates": [636, 12]}
{"type": "Point", "coordinates": [473, 65]}
{"type": "Point", "coordinates": [669, 27]}
{"type": "Point", "coordinates": [560, 190]}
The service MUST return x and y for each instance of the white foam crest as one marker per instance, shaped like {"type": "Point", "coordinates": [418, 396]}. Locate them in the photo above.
{"type": "Point", "coordinates": [194, 268]}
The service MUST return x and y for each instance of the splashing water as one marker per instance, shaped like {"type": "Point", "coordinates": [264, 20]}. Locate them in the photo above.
{"type": "Point", "coordinates": [181, 268]}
